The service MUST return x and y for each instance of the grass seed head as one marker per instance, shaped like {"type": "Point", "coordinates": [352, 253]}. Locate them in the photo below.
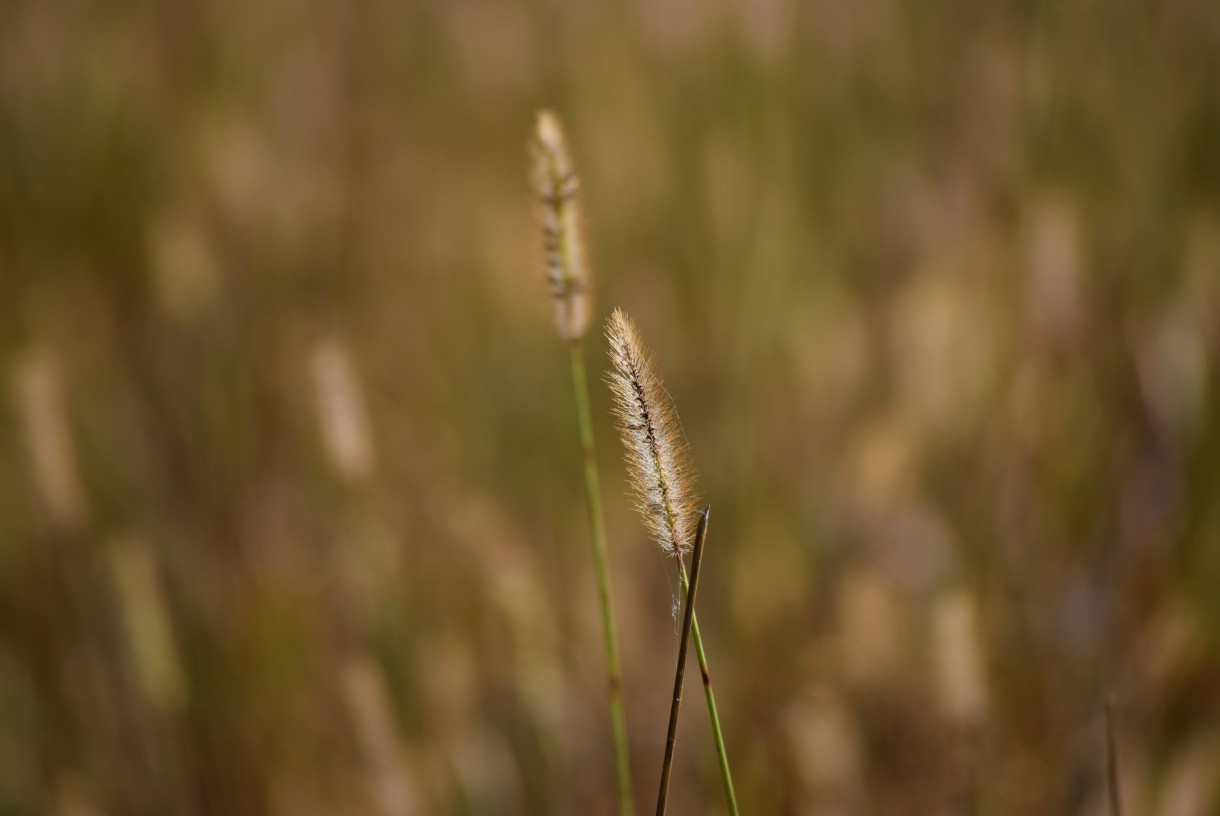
{"type": "Point", "coordinates": [658, 460]}
{"type": "Point", "coordinates": [557, 188]}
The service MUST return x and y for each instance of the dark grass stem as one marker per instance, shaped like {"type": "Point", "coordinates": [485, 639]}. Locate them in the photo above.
{"type": "Point", "coordinates": [601, 566]}
{"type": "Point", "coordinates": [671, 736]}
{"type": "Point", "coordinates": [1112, 786]}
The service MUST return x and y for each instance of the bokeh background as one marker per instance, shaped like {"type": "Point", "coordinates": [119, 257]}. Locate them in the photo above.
{"type": "Point", "coordinates": [292, 519]}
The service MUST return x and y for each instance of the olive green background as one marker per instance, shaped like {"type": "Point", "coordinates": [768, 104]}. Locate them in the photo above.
{"type": "Point", "coordinates": [934, 286]}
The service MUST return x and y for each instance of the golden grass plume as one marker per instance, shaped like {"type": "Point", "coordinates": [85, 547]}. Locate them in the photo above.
{"type": "Point", "coordinates": [557, 185]}
{"type": "Point", "coordinates": [658, 459]}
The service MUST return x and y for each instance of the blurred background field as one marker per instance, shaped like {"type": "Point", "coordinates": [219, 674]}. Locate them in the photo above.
{"type": "Point", "coordinates": [290, 510]}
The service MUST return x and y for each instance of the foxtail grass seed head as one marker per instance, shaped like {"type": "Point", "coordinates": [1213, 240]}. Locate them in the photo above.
{"type": "Point", "coordinates": [146, 622]}
{"type": "Point", "coordinates": [342, 414]}
{"type": "Point", "coordinates": [658, 460]}
{"type": "Point", "coordinates": [958, 660]}
{"type": "Point", "coordinates": [368, 703]}
{"type": "Point", "coordinates": [557, 185]}
{"type": "Point", "coordinates": [38, 391]}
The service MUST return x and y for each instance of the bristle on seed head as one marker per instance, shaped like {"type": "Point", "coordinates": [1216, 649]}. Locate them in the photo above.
{"type": "Point", "coordinates": [658, 460]}
{"type": "Point", "coordinates": [557, 185]}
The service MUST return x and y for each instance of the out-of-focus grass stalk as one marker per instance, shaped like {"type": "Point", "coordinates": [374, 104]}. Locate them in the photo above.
{"type": "Point", "coordinates": [145, 615]}
{"type": "Point", "coordinates": [368, 703]}
{"type": "Point", "coordinates": [556, 185]}
{"type": "Point", "coordinates": [671, 735]}
{"type": "Point", "coordinates": [42, 406]}
{"type": "Point", "coordinates": [1114, 795]}
{"type": "Point", "coordinates": [601, 565]}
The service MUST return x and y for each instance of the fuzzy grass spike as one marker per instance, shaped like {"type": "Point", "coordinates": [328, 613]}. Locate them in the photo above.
{"type": "Point", "coordinates": [658, 460]}
{"type": "Point", "coordinates": [557, 187]}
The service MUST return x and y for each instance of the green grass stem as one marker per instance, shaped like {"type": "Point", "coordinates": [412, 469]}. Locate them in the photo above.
{"type": "Point", "coordinates": [726, 777]}
{"type": "Point", "coordinates": [601, 565]}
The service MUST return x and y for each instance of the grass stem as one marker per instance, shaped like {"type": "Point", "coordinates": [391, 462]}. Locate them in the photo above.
{"type": "Point", "coordinates": [671, 736]}
{"type": "Point", "coordinates": [726, 777]}
{"type": "Point", "coordinates": [601, 566]}
{"type": "Point", "coordinates": [1112, 786]}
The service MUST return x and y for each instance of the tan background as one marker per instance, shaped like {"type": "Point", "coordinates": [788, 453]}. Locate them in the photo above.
{"type": "Point", "coordinates": [290, 511]}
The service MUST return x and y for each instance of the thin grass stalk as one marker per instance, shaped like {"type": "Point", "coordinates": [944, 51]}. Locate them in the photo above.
{"type": "Point", "coordinates": [1112, 786]}
{"type": "Point", "coordinates": [726, 776]}
{"type": "Point", "coordinates": [671, 736]}
{"type": "Point", "coordinates": [601, 564]}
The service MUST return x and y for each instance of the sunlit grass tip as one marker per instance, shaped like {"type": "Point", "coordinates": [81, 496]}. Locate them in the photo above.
{"type": "Point", "coordinates": [658, 459]}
